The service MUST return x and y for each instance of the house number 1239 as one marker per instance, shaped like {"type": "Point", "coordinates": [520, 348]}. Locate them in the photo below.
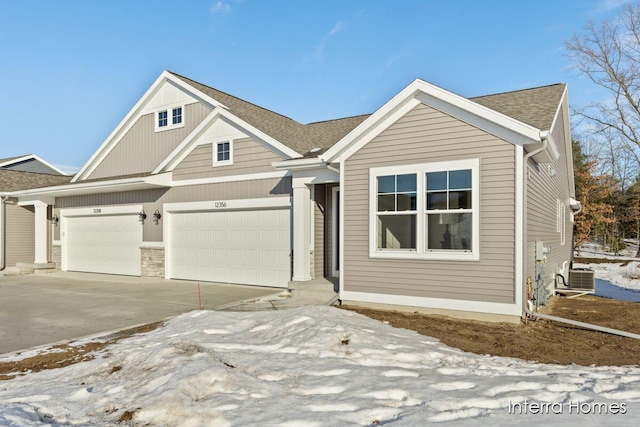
{"type": "Point", "coordinates": [220, 204]}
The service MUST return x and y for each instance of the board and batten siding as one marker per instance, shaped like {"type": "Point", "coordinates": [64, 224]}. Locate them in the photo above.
{"type": "Point", "coordinates": [19, 234]}
{"type": "Point", "coordinates": [141, 149]}
{"type": "Point", "coordinates": [427, 135]}
{"type": "Point", "coordinates": [156, 198]}
{"type": "Point", "coordinates": [543, 193]}
{"type": "Point", "coordinates": [248, 157]}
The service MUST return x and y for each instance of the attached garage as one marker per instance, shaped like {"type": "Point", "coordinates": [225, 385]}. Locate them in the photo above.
{"type": "Point", "coordinates": [240, 241]}
{"type": "Point", "coordinates": [102, 240]}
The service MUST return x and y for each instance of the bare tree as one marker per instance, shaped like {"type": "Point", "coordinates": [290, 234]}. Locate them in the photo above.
{"type": "Point", "coordinates": [608, 53]}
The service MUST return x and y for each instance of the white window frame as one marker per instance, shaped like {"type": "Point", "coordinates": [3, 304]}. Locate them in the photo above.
{"type": "Point", "coordinates": [214, 149]}
{"type": "Point", "coordinates": [421, 252]}
{"type": "Point", "coordinates": [561, 219]}
{"type": "Point", "coordinates": [170, 125]}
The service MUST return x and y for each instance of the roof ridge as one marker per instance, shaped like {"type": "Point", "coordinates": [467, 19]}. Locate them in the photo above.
{"type": "Point", "coordinates": [518, 90]}
{"type": "Point", "coordinates": [233, 96]}
{"type": "Point", "coordinates": [335, 120]}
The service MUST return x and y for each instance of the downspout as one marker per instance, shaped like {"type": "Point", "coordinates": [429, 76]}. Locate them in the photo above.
{"type": "Point", "coordinates": [545, 142]}
{"type": "Point", "coordinates": [544, 136]}
{"type": "Point", "coordinates": [3, 199]}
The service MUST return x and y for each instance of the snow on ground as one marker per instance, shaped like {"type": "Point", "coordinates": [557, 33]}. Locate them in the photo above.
{"type": "Point", "coordinates": [312, 366]}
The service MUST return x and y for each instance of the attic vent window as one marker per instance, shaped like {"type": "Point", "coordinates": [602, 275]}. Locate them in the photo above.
{"type": "Point", "coordinates": [170, 118]}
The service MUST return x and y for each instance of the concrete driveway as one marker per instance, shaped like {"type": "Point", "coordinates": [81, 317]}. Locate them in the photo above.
{"type": "Point", "coordinates": [41, 309]}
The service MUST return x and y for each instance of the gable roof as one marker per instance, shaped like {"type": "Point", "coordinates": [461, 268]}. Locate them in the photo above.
{"type": "Point", "coordinates": [12, 180]}
{"type": "Point", "coordinates": [535, 106]}
{"type": "Point", "coordinates": [11, 162]}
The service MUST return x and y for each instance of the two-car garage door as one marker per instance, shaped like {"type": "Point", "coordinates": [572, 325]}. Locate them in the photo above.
{"type": "Point", "coordinates": [249, 247]}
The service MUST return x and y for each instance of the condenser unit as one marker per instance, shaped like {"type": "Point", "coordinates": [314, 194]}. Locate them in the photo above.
{"type": "Point", "coordinates": [582, 278]}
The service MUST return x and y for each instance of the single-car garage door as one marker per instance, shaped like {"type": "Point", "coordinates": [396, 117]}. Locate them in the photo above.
{"type": "Point", "coordinates": [103, 244]}
{"type": "Point", "coordinates": [248, 247]}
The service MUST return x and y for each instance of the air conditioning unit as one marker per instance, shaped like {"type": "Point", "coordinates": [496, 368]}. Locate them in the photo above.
{"type": "Point", "coordinates": [582, 278]}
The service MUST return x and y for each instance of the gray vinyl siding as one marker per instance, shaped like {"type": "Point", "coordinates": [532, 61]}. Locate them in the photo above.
{"type": "Point", "coordinates": [156, 198]}
{"type": "Point", "coordinates": [543, 193]}
{"type": "Point", "coordinates": [427, 135]}
{"type": "Point", "coordinates": [20, 234]}
{"type": "Point", "coordinates": [248, 157]}
{"type": "Point", "coordinates": [330, 231]}
{"type": "Point", "coordinates": [319, 230]}
{"type": "Point", "coordinates": [142, 149]}
{"type": "Point", "coordinates": [32, 165]}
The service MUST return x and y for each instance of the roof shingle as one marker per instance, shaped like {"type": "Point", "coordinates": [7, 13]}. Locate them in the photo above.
{"type": "Point", "coordinates": [12, 180]}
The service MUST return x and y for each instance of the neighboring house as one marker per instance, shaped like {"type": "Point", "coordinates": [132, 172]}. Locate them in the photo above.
{"type": "Point", "coordinates": [18, 223]}
{"type": "Point", "coordinates": [433, 201]}
{"type": "Point", "coordinates": [29, 163]}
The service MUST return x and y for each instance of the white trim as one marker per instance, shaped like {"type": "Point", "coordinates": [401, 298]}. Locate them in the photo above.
{"type": "Point", "coordinates": [169, 109]}
{"type": "Point", "coordinates": [40, 232]}
{"type": "Point", "coordinates": [152, 245]}
{"type": "Point", "coordinates": [440, 303]}
{"type": "Point", "coordinates": [56, 243]}
{"type": "Point", "coordinates": [31, 157]}
{"type": "Point", "coordinates": [301, 230]}
{"type": "Point", "coordinates": [226, 205]}
{"type": "Point", "coordinates": [335, 240]}
{"type": "Point", "coordinates": [299, 164]}
{"type": "Point", "coordinates": [421, 251]}
{"type": "Point", "coordinates": [214, 153]}
{"type": "Point", "coordinates": [231, 178]}
{"type": "Point", "coordinates": [103, 210]}
{"type": "Point", "coordinates": [519, 282]}
{"type": "Point", "coordinates": [342, 239]}
{"type": "Point", "coordinates": [67, 213]}
{"type": "Point", "coordinates": [221, 205]}
{"type": "Point", "coordinates": [448, 102]}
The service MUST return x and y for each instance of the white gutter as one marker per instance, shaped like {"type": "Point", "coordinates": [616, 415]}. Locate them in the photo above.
{"type": "Point", "coordinates": [299, 164]}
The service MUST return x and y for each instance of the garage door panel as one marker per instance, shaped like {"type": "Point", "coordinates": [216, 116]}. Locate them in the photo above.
{"type": "Point", "coordinates": [103, 244]}
{"type": "Point", "coordinates": [245, 247]}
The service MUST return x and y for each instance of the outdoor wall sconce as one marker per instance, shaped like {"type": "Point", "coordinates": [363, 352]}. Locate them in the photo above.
{"type": "Point", "coordinates": [54, 219]}
{"type": "Point", "coordinates": [156, 216]}
{"type": "Point", "coordinates": [142, 216]}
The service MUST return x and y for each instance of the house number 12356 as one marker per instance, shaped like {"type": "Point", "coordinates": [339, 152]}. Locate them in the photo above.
{"type": "Point", "coordinates": [220, 204]}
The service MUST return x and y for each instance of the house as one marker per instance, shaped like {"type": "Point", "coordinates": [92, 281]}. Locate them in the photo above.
{"type": "Point", "coordinates": [18, 223]}
{"type": "Point", "coordinates": [433, 201]}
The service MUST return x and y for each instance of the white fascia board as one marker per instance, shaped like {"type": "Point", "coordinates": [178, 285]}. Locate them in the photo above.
{"type": "Point", "coordinates": [116, 185]}
{"type": "Point", "coordinates": [106, 210]}
{"type": "Point", "coordinates": [230, 178]}
{"type": "Point", "coordinates": [182, 150]}
{"type": "Point", "coordinates": [36, 199]}
{"type": "Point", "coordinates": [281, 149]}
{"type": "Point", "coordinates": [298, 164]}
{"type": "Point", "coordinates": [123, 126]}
{"type": "Point", "coordinates": [457, 106]}
{"type": "Point", "coordinates": [31, 157]}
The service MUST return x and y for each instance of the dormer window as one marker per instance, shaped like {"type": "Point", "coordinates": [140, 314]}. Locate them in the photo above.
{"type": "Point", "coordinates": [169, 119]}
{"type": "Point", "coordinates": [223, 153]}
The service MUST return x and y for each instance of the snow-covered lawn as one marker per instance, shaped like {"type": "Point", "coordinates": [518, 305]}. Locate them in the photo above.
{"type": "Point", "coordinates": [312, 366]}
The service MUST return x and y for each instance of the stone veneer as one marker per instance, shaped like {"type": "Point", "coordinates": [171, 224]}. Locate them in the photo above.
{"type": "Point", "coordinates": [152, 262]}
{"type": "Point", "coordinates": [56, 256]}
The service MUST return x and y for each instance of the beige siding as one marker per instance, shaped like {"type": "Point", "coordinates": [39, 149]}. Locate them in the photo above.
{"type": "Point", "coordinates": [155, 199]}
{"type": "Point", "coordinates": [427, 135]}
{"type": "Point", "coordinates": [141, 149]}
{"type": "Point", "coordinates": [319, 218]}
{"type": "Point", "coordinates": [543, 194]}
{"type": "Point", "coordinates": [248, 157]}
{"type": "Point", "coordinates": [20, 234]}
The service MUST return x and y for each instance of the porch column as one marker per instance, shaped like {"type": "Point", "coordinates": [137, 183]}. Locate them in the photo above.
{"type": "Point", "coordinates": [41, 232]}
{"type": "Point", "coordinates": [301, 230]}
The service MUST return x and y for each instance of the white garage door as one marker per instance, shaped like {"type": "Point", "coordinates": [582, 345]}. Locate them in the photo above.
{"type": "Point", "coordinates": [103, 244]}
{"type": "Point", "coordinates": [248, 247]}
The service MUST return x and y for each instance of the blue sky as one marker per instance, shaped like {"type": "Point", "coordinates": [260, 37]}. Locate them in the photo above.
{"type": "Point", "coordinates": [72, 69]}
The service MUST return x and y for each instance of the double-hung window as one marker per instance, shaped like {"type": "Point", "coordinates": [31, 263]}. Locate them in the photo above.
{"type": "Point", "coordinates": [427, 211]}
{"type": "Point", "coordinates": [176, 116]}
{"type": "Point", "coordinates": [223, 153]}
{"type": "Point", "coordinates": [162, 119]}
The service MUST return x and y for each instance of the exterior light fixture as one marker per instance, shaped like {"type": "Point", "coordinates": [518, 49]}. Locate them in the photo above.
{"type": "Point", "coordinates": [142, 216]}
{"type": "Point", "coordinates": [55, 219]}
{"type": "Point", "coordinates": [156, 216]}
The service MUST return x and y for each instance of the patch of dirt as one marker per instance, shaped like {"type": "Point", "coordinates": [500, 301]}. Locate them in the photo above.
{"type": "Point", "coordinates": [62, 355]}
{"type": "Point", "coordinates": [540, 340]}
